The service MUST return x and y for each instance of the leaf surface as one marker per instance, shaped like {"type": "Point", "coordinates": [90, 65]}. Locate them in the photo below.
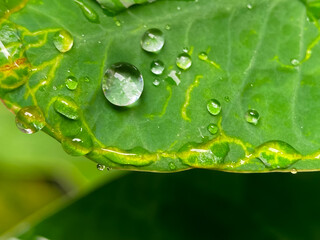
{"type": "Point", "coordinates": [261, 55]}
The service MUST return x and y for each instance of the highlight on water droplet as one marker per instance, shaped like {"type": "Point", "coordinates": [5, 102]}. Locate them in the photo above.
{"type": "Point", "coordinates": [295, 62]}
{"type": "Point", "coordinates": [156, 82]}
{"type": "Point", "coordinates": [122, 84]}
{"type": "Point", "coordinates": [77, 146]}
{"type": "Point", "coordinates": [252, 116]}
{"type": "Point", "coordinates": [101, 167]}
{"type": "Point", "coordinates": [157, 67]}
{"type": "Point", "coordinates": [203, 56]}
{"type": "Point", "coordinates": [30, 119]}
{"type": "Point", "coordinates": [294, 171]}
{"type": "Point", "coordinates": [63, 41]}
{"type": "Point", "coordinates": [88, 12]}
{"type": "Point", "coordinates": [214, 107]}
{"type": "Point", "coordinates": [213, 128]}
{"type": "Point", "coordinates": [67, 107]}
{"type": "Point", "coordinates": [184, 61]}
{"type": "Point", "coordinates": [152, 40]}
{"type": "Point", "coordinates": [71, 83]}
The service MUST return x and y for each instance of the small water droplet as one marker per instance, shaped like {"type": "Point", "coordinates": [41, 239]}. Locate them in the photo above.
{"type": "Point", "coordinates": [152, 40]}
{"type": "Point", "coordinates": [184, 61]}
{"type": "Point", "coordinates": [67, 107]}
{"type": "Point", "coordinates": [252, 116]}
{"type": "Point", "coordinates": [118, 23]}
{"type": "Point", "coordinates": [30, 119]}
{"type": "Point", "coordinates": [227, 99]}
{"type": "Point", "coordinates": [63, 41]}
{"type": "Point", "coordinates": [77, 146]}
{"type": "Point", "coordinates": [203, 56]}
{"type": "Point", "coordinates": [101, 167]}
{"type": "Point", "coordinates": [249, 6]}
{"type": "Point", "coordinates": [173, 78]}
{"type": "Point", "coordinates": [88, 12]}
{"type": "Point", "coordinates": [168, 27]}
{"type": "Point", "coordinates": [213, 128]}
{"type": "Point", "coordinates": [214, 107]}
{"type": "Point", "coordinates": [172, 166]}
{"type": "Point", "coordinates": [178, 8]}
{"type": "Point", "coordinates": [295, 62]}
{"type": "Point", "coordinates": [122, 84]}
{"type": "Point", "coordinates": [156, 82]}
{"type": "Point", "coordinates": [294, 171]}
{"type": "Point", "coordinates": [157, 67]}
{"type": "Point", "coordinates": [71, 83]}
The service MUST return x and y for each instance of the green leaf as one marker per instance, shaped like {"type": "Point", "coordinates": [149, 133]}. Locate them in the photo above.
{"type": "Point", "coordinates": [191, 205]}
{"type": "Point", "coordinates": [258, 59]}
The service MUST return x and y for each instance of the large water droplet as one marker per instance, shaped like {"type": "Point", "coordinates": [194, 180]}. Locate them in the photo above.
{"type": "Point", "coordinates": [184, 61]}
{"type": "Point", "coordinates": [157, 67]}
{"type": "Point", "coordinates": [88, 12]}
{"type": "Point", "coordinates": [71, 83]}
{"type": "Point", "coordinates": [214, 107]}
{"type": "Point", "coordinates": [30, 119]}
{"type": "Point", "coordinates": [213, 128]}
{"type": "Point", "coordinates": [152, 40]}
{"type": "Point", "coordinates": [101, 167]}
{"type": "Point", "coordinates": [122, 84]}
{"type": "Point", "coordinates": [252, 116]}
{"type": "Point", "coordinates": [63, 41]}
{"type": "Point", "coordinates": [67, 107]}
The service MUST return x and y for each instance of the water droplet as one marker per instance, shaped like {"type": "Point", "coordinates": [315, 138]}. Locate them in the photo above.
{"type": "Point", "coordinates": [88, 12]}
{"type": "Point", "coordinates": [71, 83]}
{"type": "Point", "coordinates": [252, 116]}
{"type": "Point", "coordinates": [295, 62]}
{"type": "Point", "coordinates": [184, 61]}
{"type": "Point", "coordinates": [157, 67]}
{"type": "Point", "coordinates": [63, 41]}
{"type": "Point", "coordinates": [172, 166]}
{"type": "Point", "coordinates": [214, 107]}
{"type": "Point", "coordinates": [30, 119]}
{"type": "Point", "coordinates": [294, 171]}
{"type": "Point", "coordinates": [168, 27]}
{"type": "Point", "coordinates": [178, 8]}
{"type": "Point", "coordinates": [227, 99]}
{"type": "Point", "coordinates": [249, 6]}
{"type": "Point", "coordinates": [67, 107]}
{"type": "Point", "coordinates": [118, 23]}
{"type": "Point", "coordinates": [203, 56]}
{"type": "Point", "coordinates": [122, 84]}
{"type": "Point", "coordinates": [173, 78]}
{"type": "Point", "coordinates": [213, 128]}
{"type": "Point", "coordinates": [152, 40]}
{"type": "Point", "coordinates": [77, 146]}
{"type": "Point", "coordinates": [70, 128]}
{"type": "Point", "coordinates": [156, 82]}
{"type": "Point", "coordinates": [101, 167]}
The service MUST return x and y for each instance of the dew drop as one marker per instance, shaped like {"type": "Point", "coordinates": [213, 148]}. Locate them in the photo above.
{"type": "Point", "coordinates": [252, 116]}
{"type": "Point", "coordinates": [71, 83]}
{"type": "Point", "coordinates": [77, 146]}
{"type": "Point", "coordinates": [168, 27]}
{"type": "Point", "coordinates": [213, 128]}
{"type": "Point", "coordinates": [101, 167]}
{"type": "Point", "coordinates": [214, 107]}
{"type": "Point", "coordinates": [249, 6]}
{"type": "Point", "coordinates": [156, 82]}
{"type": "Point", "coordinates": [157, 67]}
{"type": "Point", "coordinates": [294, 171]}
{"type": "Point", "coordinates": [63, 41]}
{"type": "Point", "coordinates": [227, 99]}
{"type": "Point", "coordinates": [152, 40]}
{"type": "Point", "coordinates": [122, 84]}
{"type": "Point", "coordinates": [295, 62]}
{"type": "Point", "coordinates": [30, 119]}
{"type": "Point", "coordinates": [67, 107]}
{"type": "Point", "coordinates": [118, 23]}
{"type": "Point", "coordinates": [172, 166]}
{"type": "Point", "coordinates": [87, 11]}
{"type": "Point", "coordinates": [184, 61]}
{"type": "Point", "coordinates": [203, 56]}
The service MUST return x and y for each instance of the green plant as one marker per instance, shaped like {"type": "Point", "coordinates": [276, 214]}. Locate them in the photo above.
{"type": "Point", "coordinates": [227, 85]}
